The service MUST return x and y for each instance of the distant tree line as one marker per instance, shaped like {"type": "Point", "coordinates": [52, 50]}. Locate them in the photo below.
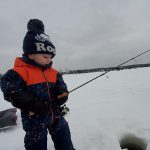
{"type": "Point", "coordinates": [105, 69]}
{"type": "Point", "coordinates": [101, 69]}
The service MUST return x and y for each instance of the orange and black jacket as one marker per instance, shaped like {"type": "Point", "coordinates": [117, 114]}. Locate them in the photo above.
{"type": "Point", "coordinates": [43, 83]}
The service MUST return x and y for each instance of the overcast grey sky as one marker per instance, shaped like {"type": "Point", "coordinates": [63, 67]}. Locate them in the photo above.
{"type": "Point", "coordinates": [86, 33]}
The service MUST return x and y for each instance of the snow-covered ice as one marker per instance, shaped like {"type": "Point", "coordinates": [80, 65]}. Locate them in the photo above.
{"type": "Point", "coordinates": [102, 114]}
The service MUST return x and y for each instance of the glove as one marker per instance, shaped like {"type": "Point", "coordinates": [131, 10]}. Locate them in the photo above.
{"type": "Point", "coordinates": [62, 98]}
{"type": "Point", "coordinates": [23, 101]}
{"type": "Point", "coordinates": [27, 102]}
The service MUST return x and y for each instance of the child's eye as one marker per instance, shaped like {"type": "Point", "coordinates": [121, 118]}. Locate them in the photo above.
{"type": "Point", "coordinates": [46, 57]}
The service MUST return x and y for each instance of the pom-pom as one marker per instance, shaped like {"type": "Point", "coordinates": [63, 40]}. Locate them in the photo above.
{"type": "Point", "coordinates": [35, 25]}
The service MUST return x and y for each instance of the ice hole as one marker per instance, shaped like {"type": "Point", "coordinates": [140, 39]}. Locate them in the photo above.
{"type": "Point", "coordinates": [130, 142]}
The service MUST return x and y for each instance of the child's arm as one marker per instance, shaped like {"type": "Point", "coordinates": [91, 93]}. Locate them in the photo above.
{"type": "Point", "coordinates": [61, 92]}
{"type": "Point", "coordinates": [12, 84]}
{"type": "Point", "coordinates": [15, 91]}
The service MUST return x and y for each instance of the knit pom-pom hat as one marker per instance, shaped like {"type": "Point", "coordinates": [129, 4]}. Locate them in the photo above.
{"type": "Point", "coordinates": [36, 41]}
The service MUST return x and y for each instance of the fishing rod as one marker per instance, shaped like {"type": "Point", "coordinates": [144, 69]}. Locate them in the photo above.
{"type": "Point", "coordinates": [108, 71]}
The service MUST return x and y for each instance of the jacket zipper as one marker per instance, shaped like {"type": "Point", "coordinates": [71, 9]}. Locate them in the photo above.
{"type": "Point", "coordinates": [49, 97]}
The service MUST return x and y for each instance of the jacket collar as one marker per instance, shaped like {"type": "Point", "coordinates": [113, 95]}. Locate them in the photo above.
{"type": "Point", "coordinates": [26, 61]}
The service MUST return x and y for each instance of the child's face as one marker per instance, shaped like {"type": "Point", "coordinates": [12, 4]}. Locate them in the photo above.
{"type": "Point", "coordinates": [43, 59]}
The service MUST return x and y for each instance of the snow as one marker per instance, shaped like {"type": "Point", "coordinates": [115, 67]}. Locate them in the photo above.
{"type": "Point", "coordinates": [102, 112]}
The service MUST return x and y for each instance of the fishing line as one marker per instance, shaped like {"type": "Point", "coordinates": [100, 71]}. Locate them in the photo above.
{"type": "Point", "coordinates": [108, 71]}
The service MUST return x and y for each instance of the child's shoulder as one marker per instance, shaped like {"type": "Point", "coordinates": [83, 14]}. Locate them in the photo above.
{"type": "Point", "coordinates": [11, 75]}
{"type": "Point", "coordinates": [20, 71]}
{"type": "Point", "coordinates": [20, 67]}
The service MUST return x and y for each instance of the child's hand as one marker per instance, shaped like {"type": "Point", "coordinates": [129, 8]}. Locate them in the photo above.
{"type": "Point", "coordinates": [62, 98]}
{"type": "Point", "coordinates": [62, 95]}
{"type": "Point", "coordinates": [28, 102]}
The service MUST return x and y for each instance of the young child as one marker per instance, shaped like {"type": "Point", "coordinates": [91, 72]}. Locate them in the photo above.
{"type": "Point", "coordinates": [38, 91]}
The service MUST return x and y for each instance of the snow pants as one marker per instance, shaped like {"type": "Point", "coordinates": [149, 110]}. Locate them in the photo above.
{"type": "Point", "coordinates": [60, 134]}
